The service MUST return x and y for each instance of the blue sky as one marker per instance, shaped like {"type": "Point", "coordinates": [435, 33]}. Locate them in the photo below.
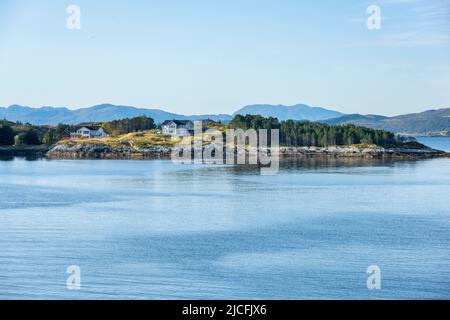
{"type": "Point", "coordinates": [197, 56]}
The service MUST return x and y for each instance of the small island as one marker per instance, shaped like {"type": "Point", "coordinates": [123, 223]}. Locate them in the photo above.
{"type": "Point", "coordinates": [141, 138]}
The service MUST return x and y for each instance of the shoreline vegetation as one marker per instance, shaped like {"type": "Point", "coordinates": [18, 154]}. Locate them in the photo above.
{"type": "Point", "coordinates": [139, 138]}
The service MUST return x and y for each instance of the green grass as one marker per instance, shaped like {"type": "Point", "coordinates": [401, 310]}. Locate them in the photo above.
{"type": "Point", "coordinates": [138, 140]}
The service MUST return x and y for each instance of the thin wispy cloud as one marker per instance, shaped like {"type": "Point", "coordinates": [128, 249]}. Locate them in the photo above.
{"type": "Point", "coordinates": [410, 23]}
{"type": "Point", "coordinates": [415, 38]}
{"type": "Point", "coordinates": [393, 2]}
{"type": "Point", "coordinates": [433, 9]}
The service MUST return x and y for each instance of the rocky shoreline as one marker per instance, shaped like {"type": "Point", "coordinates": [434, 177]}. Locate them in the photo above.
{"type": "Point", "coordinates": [377, 152]}
{"type": "Point", "coordinates": [100, 151]}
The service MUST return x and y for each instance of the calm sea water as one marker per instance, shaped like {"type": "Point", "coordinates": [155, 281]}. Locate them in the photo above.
{"type": "Point", "coordinates": [156, 230]}
{"type": "Point", "coordinates": [440, 143]}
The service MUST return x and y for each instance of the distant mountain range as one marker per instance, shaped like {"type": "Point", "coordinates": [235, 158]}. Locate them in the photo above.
{"type": "Point", "coordinates": [296, 112]}
{"type": "Point", "coordinates": [108, 112]}
{"type": "Point", "coordinates": [99, 113]}
{"type": "Point", "coordinates": [432, 122]}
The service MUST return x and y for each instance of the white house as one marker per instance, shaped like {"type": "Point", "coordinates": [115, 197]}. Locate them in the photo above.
{"type": "Point", "coordinates": [177, 127]}
{"type": "Point", "coordinates": [89, 132]}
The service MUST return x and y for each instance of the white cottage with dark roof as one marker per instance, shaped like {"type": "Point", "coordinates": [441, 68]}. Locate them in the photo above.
{"type": "Point", "coordinates": [89, 132]}
{"type": "Point", "coordinates": [177, 127]}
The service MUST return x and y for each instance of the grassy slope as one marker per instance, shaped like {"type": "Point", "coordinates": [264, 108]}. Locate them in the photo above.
{"type": "Point", "coordinates": [136, 139]}
{"type": "Point", "coordinates": [146, 139]}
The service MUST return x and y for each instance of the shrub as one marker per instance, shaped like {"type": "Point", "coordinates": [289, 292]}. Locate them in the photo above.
{"type": "Point", "coordinates": [6, 135]}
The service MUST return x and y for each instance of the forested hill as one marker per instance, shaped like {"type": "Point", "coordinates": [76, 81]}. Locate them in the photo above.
{"type": "Point", "coordinates": [305, 133]}
{"type": "Point", "coordinates": [295, 112]}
